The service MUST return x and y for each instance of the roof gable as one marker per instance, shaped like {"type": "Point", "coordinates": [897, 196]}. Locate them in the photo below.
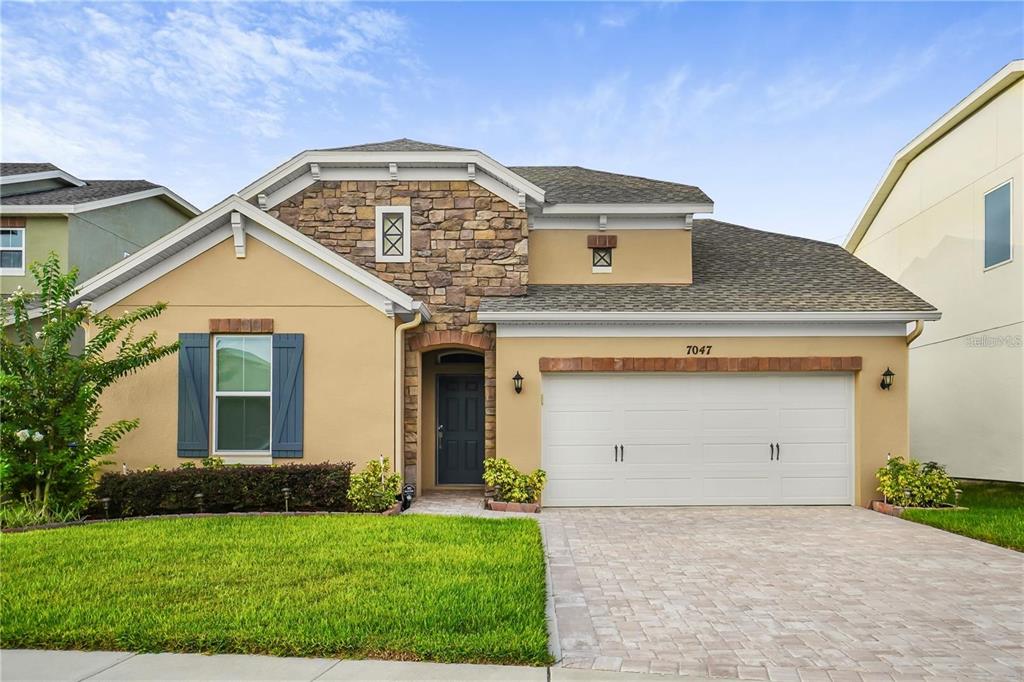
{"type": "Point", "coordinates": [236, 219]}
{"type": "Point", "coordinates": [989, 90]}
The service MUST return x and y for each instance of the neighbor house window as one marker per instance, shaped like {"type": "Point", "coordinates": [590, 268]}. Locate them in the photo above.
{"type": "Point", "coordinates": [12, 251]}
{"type": "Point", "coordinates": [997, 226]}
{"type": "Point", "coordinates": [602, 260]}
{"type": "Point", "coordinates": [393, 234]}
{"type": "Point", "coordinates": [242, 370]}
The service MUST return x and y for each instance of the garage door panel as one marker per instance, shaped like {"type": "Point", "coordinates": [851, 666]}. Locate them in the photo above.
{"type": "Point", "coordinates": [650, 419]}
{"type": "Point", "coordinates": [679, 455]}
{"type": "Point", "coordinates": [740, 489]}
{"type": "Point", "coordinates": [722, 389]}
{"type": "Point", "coordinates": [662, 490]}
{"type": "Point", "coordinates": [837, 453]}
{"type": "Point", "coordinates": [813, 417]}
{"type": "Point", "coordinates": [757, 453]}
{"type": "Point", "coordinates": [579, 427]}
{"type": "Point", "coordinates": [586, 489]}
{"type": "Point", "coordinates": [815, 489]}
{"type": "Point", "coordinates": [737, 418]}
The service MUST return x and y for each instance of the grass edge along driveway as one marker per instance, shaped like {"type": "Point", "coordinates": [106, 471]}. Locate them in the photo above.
{"type": "Point", "coordinates": [448, 589]}
{"type": "Point", "coordinates": [994, 514]}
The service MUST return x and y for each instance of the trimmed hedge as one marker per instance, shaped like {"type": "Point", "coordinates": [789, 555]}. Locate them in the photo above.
{"type": "Point", "coordinates": [312, 487]}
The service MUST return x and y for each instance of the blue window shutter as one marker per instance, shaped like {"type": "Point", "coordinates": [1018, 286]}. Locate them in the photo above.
{"type": "Point", "coordinates": [287, 391]}
{"type": "Point", "coordinates": [194, 395]}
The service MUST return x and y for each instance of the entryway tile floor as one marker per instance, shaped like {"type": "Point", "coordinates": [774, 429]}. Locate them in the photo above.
{"type": "Point", "coordinates": [774, 593]}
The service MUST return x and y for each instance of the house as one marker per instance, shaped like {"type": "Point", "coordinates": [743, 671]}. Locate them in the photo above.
{"type": "Point", "coordinates": [432, 305]}
{"type": "Point", "coordinates": [945, 221]}
{"type": "Point", "coordinates": [90, 224]}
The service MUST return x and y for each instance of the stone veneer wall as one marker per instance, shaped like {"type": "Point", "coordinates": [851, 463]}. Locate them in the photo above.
{"type": "Point", "coordinates": [466, 243]}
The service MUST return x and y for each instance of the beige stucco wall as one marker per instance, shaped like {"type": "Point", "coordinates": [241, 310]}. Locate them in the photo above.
{"type": "Point", "coordinates": [642, 256]}
{"type": "Point", "coordinates": [880, 416]}
{"type": "Point", "coordinates": [967, 398]}
{"type": "Point", "coordinates": [349, 354]}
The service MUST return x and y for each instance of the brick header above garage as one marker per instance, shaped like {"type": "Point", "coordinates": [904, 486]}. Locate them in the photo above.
{"type": "Point", "coordinates": [850, 363]}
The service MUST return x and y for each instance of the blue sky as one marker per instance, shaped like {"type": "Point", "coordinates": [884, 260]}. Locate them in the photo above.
{"type": "Point", "coordinates": [785, 114]}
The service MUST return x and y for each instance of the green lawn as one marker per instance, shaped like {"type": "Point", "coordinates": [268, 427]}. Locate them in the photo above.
{"type": "Point", "coordinates": [412, 587]}
{"type": "Point", "coordinates": [995, 514]}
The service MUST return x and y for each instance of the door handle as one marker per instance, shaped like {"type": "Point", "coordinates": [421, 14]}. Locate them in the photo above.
{"type": "Point", "coordinates": [771, 449]}
{"type": "Point", "coordinates": [622, 453]}
{"type": "Point", "coordinates": [778, 452]}
{"type": "Point", "coordinates": [616, 453]}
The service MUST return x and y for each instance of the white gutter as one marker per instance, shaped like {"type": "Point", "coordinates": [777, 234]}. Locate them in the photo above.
{"type": "Point", "coordinates": [738, 316]}
{"type": "Point", "coordinates": [399, 449]}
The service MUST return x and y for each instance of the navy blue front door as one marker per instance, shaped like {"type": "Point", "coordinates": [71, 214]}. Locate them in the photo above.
{"type": "Point", "coordinates": [460, 428]}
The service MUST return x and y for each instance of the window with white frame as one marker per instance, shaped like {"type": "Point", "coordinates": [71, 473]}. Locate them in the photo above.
{"type": "Point", "coordinates": [12, 251]}
{"type": "Point", "coordinates": [602, 260]}
{"type": "Point", "coordinates": [998, 249]}
{"type": "Point", "coordinates": [243, 366]}
{"type": "Point", "coordinates": [393, 234]}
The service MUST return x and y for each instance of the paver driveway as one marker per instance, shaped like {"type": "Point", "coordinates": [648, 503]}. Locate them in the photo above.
{"type": "Point", "coordinates": [818, 593]}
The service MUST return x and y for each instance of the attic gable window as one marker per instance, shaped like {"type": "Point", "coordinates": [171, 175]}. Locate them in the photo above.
{"type": "Point", "coordinates": [394, 243]}
{"type": "Point", "coordinates": [602, 260]}
{"type": "Point", "coordinates": [601, 246]}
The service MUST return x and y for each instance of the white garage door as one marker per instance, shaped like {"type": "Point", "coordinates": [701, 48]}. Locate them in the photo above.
{"type": "Point", "coordinates": [671, 439]}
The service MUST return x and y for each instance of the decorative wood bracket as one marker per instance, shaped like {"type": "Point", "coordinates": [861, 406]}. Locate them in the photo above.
{"type": "Point", "coordinates": [262, 199]}
{"type": "Point", "coordinates": [393, 170]}
{"type": "Point", "coordinates": [522, 201]}
{"type": "Point", "coordinates": [688, 220]}
{"type": "Point", "coordinates": [471, 170]}
{"type": "Point", "coordinates": [602, 222]}
{"type": "Point", "coordinates": [238, 231]}
{"type": "Point", "coordinates": [314, 170]}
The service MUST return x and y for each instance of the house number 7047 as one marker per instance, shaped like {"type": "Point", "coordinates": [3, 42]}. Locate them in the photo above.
{"type": "Point", "coordinates": [698, 350]}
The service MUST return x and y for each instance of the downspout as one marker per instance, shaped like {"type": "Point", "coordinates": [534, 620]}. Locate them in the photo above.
{"type": "Point", "coordinates": [918, 328]}
{"type": "Point", "coordinates": [400, 388]}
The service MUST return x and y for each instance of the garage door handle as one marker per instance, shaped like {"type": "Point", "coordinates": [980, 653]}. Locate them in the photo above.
{"type": "Point", "coordinates": [622, 453]}
{"type": "Point", "coordinates": [771, 449]}
{"type": "Point", "coordinates": [778, 452]}
{"type": "Point", "coordinates": [616, 453]}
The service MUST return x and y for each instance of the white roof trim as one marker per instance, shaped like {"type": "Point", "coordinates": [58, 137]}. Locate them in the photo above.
{"type": "Point", "coordinates": [573, 330]}
{"type": "Point", "coordinates": [671, 209]}
{"type": "Point", "coordinates": [214, 226]}
{"type": "Point", "coordinates": [57, 174]}
{"type": "Point", "coordinates": [298, 165]}
{"type": "Point", "coordinates": [737, 316]}
{"type": "Point", "coordinates": [988, 91]}
{"type": "Point", "coordinates": [67, 209]}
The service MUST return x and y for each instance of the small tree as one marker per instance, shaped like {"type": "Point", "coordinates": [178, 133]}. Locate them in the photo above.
{"type": "Point", "coordinates": [50, 445]}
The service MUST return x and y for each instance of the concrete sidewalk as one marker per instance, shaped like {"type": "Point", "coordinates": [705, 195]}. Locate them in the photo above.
{"type": "Point", "coordinates": [71, 666]}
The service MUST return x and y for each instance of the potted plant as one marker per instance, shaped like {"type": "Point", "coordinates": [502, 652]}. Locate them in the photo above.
{"type": "Point", "coordinates": [513, 490]}
{"type": "Point", "coordinates": [909, 483]}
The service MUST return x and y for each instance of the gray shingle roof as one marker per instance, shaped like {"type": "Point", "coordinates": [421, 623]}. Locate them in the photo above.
{"type": "Point", "coordinates": [737, 269]}
{"type": "Point", "coordinates": [576, 185]}
{"type": "Point", "coordinates": [93, 190]}
{"type": "Point", "coordinates": [403, 144]}
{"type": "Point", "coordinates": [22, 168]}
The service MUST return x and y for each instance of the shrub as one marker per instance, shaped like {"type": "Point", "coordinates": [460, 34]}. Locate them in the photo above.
{"type": "Point", "coordinates": [913, 484]}
{"type": "Point", "coordinates": [20, 514]}
{"type": "Point", "coordinates": [311, 487]}
{"type": "Point", "coordinates": [510, 484]}
{"type": "Point", "coordinates": [374, 489]}
{"type": "Point", "coordinates": [50, 439]}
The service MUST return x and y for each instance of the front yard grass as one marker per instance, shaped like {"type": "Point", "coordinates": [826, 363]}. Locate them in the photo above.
{"type": "Point", "coordinates": [995, 514]}
{"type": "Point", "coordinates": [434, 588]}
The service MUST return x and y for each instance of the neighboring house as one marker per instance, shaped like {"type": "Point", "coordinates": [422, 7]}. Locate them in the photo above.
{"type": "Point", "coordinates": [90, 224]}
{"type": "Point", "coordinates": [946, 222]}
{"type": "Point", "coordinates": [431, 305]}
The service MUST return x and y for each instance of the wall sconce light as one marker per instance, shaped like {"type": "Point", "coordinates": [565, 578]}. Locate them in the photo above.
{"type": "Point", "coordinates": [887, 376]}
{"type": "Point", "coordinates": [517, 381]}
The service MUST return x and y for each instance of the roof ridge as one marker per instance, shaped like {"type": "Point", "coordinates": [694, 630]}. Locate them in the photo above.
{"type": "Point", "coordinates": [699, 221]}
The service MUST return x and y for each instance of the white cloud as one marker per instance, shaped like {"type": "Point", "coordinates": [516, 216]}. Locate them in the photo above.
{"type": "Point", "coordinates": [121, 73]}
